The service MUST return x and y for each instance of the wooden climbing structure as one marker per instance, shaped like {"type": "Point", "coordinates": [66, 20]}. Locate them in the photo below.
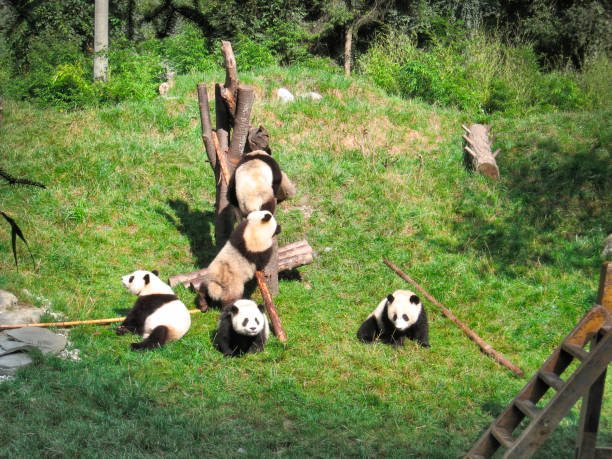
{"type": "Point", "coordinates": [586, 381]}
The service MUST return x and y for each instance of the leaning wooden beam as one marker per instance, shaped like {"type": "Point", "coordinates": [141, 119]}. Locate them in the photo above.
{"type": "Point", "coordinates": [478, 147]}
{"type": "Point", "coordinates": [272, 313]}
{"type": "Point", "coordinates": [75, 322]}
{"type": "Point", "coordinates": [206, 125]}
{"type": "Point", "coordinates": [290, 256]}
{"type": "Point", "coordinates": [486, 348]}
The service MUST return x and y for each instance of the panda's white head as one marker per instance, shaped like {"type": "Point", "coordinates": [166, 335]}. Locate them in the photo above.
{"type": "Point", "coordinates": [261, 227]}
{"type": "Point", "coordinates": [145, 283]}
{"type": "Point", "coordinates": [403, 308]}
{"type": "Point", "coordinates": [248, 317]}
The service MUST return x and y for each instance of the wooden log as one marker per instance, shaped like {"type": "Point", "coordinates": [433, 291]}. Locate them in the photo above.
{"type": "Point", "coordinates": [479, 156]}
{"type": "Point", "coordinates": [206, 125]}
{"type": "Point", "coordinates": [604, 293]}
{"type": "Point", "coordinates": [272, 313]}
{"type": "Point", "coordinates": [246, 96]}
{"type": "Point", "coordinates": [74, 322]}
{"type": "Point", "coordinates": [486, 348]}
{"type": "Point", "coordinates": [224, 214]}
{"type": "Point", "coordinates": [230, 88]}
{"type": "Point", "coordinates": [290, 256]}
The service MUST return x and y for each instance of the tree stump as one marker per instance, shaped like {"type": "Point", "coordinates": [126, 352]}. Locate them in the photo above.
{"type": "Point", "coordinates": [478, 154]}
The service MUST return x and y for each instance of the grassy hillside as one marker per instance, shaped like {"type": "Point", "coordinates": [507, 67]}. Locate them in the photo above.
{"type": "Point", "coordinates": [128, 187]}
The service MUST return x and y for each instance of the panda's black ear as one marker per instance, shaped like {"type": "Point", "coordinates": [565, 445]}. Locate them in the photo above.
{"type": "Point", "coordinates": [266, 218]}
{"type": "Point", "coordinates": [234, 310]}
{"type": "Point", "coordinates": [415, 299]}
{"type": "Point", "coordinates": [262, 308]}
{"type": "Point", "coordinates": [156, 272]}
{"type": "Point", "coordinates": [147, 279]}
{"type": "Point", "coordinates": [390, 298]}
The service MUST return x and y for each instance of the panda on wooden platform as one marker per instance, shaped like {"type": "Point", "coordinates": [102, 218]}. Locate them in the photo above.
{"type": "Point", "coordinates": [257, 183]}
{"type": "Point", "coordinates": [399, 316]}
{"type": "Point", "coordinates": [243, 328]}
{"type": "Point", "coordinates": [249, 249]}
{"type": "Point", "coordinates": [158, 315]}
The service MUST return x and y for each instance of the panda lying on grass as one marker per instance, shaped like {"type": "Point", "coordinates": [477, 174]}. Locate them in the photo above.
{"type": "Point", "coordinates": [243, 328]}
{"type": "Point", "coordinates": [158, 315]}
{"type": "Point", "coordinates": [399, 316]}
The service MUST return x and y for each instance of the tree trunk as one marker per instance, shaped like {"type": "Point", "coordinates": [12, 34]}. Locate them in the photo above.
{"type": "Point", "coordinates": [100, 69]}
{"type": "Point", "coordinates": [348, 44]}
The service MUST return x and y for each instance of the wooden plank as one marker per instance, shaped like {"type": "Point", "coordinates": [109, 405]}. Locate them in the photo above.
{"type": "Point", "coordinates": [562, 402]}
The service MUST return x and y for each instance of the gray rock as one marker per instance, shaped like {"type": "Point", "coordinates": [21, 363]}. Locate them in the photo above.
{"type": "Point", "coordinates": [41, 338]}
{"type": "Point", "coordinates": [7, 300]}
{"type": "Point", "coordinates": [21, 315]}
{"type": "Point", "coordinates": [8, 346]}
{"type": "Point", "coordinates": [9, 364]}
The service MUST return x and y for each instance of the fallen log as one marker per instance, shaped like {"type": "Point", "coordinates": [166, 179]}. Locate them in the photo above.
{"type": "Point", "coordinates": [486, 348]}
{"type": "Point", "coordinates": [290, 256]}
{"type": "Point", "coordinates": [478, 150]}
{"type": "Point", "coordinates": [277, 328]}
{"type": "Point", "coordinates": [74, 322]}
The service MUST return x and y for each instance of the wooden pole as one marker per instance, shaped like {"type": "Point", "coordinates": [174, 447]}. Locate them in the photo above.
{"type": "Point", "coordinates": [267, 297]}
{"type": "Point", "coordinates": [486, 348]}
{"type": "Point", "coordinates": [207, 136]}
{"type": "Point", "coordinates": [75, 322]}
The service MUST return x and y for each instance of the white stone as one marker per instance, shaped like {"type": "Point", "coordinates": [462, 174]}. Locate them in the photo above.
{"type": "Point", "coordinates": [284, 95]}
{"type": "Point", "coordinates": [314, 96]}
{"type": "Point", "coordinates": [25, 315]}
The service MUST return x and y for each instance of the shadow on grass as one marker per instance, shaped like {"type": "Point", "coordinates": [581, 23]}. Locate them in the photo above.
{"type": "Point", "coordinates": [196, 225]}
{"type": "Point", "coordinates": [550, 199]}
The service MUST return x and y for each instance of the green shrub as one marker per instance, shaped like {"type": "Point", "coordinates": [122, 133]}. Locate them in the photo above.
{"type": "Point", "coordinates": [595, 80]}
{"type": "Point", "coordinates": [559, 91]}
{"type": "Point", "coordinates": [252, 54]}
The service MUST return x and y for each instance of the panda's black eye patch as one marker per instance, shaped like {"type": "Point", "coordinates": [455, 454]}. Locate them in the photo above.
{"type": "Point", "coordinates": [394, 317]}
{"type": "Point", "coordinates": [405, 317]}
{"type": "Point", "coordinates": [245, 322]}
{"type": "Point", "coordinates": [131, 279]}
{"type": "Point", "coordinates": [257, 321]}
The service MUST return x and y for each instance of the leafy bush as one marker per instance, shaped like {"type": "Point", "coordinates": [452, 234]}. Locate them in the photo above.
{"type": "Point", "coordinates": [559, 91]}
{"type": "Point", "coordinates": [252, 54]}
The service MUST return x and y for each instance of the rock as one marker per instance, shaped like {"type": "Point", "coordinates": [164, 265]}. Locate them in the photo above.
{"type": "Point", "coordinates": [41, 338]}
{"type": "Point", "coordinates": [314, 96]}
{"type": "Point", "coordinates": [21, 315]}
{"type": "Point", "coordinates": [9, 364]}
{"type": "Point", "coordinates": [7, 300]}
{"type": "Point", "coordinates": [284, 95]}
{"type": "Point", "coordinates": [8, 346]}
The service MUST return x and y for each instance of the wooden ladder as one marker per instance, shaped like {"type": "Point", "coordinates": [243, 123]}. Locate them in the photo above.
{"type": "Point", "coordinates": [586, 380]}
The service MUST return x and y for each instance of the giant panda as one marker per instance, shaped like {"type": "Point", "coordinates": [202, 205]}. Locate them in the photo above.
{"type": "Point", "coordinates": [256, 183]}
{"type": "Point", "coordinates": [401, 315]}
{"type": "Point", "coordinates": [248, 249]}
{"type": "Point", "coordinates": [158, 315]}
{"type": "Point", "coordinates": [243, 328]}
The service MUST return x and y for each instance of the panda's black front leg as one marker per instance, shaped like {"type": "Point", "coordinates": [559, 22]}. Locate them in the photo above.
{"type": "Point", "coordinates": [368, 331]}
{"type": "Point", "coordinates": [157, 338]}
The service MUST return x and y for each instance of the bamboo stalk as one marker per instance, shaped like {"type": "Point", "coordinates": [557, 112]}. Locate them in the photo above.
{"type": "Point", "coordinates": [466, 129]}
{"type": "Point", "coordinates": [486, 348]}
{"type": "Point", "coordinates": [75, 322]}
{"type": "Point", "coordinates": [267, 297]}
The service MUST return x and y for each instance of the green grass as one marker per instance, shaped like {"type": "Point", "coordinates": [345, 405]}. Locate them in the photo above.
{"type": "Point", "coordinates": [128, 187]}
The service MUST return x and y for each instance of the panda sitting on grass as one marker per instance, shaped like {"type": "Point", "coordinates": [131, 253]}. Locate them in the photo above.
{"type": "Point", "coordinates": [399, 316]}
{"type": "Point", "coordinates": [158, 315]}
{"type": "Point", "coordinates": [243, 328]}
